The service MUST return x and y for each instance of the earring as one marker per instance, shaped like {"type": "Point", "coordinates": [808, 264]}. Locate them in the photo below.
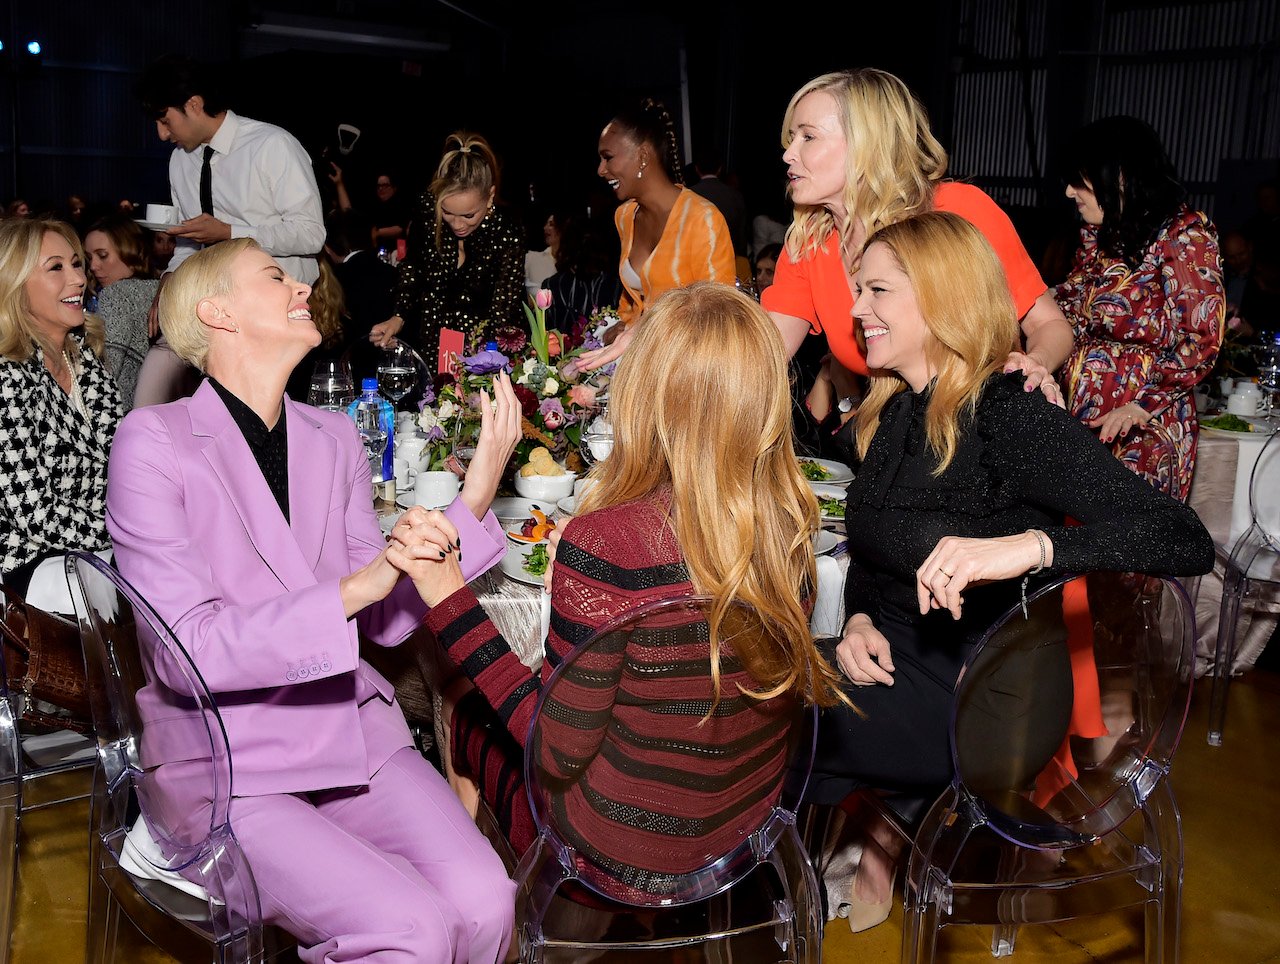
{"type": "Point", "coordinates": [640, 173]}
{"type": "Point", "coordinates": [236, 329]}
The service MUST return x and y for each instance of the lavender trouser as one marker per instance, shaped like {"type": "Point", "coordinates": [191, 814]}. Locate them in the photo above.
{"type": "Point", "coordinates": [397, 872]}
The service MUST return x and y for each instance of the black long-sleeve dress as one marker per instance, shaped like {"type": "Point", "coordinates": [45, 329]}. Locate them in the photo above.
{"type": "Point", "coordinates": [434, 292]}
{"type": "Point", "coordinates": [1021, 464]}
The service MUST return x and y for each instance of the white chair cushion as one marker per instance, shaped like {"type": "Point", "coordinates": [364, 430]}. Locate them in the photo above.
{"type": "Point", "coordinates": [140, 855]}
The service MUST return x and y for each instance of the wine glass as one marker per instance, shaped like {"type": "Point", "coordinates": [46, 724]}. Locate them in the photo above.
{"type": "Point", "coordinates": [397, 370]}
{"type": "Point", "coordinates": [1269, 378]}
{"type": "Point", "coordinates": [332, 387]}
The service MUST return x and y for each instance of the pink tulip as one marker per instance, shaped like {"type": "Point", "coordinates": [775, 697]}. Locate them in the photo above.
{"type": "Point", "coordinates": [542, 300]}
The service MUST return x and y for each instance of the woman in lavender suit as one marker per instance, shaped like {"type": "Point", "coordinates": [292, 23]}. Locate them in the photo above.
{"type": "Point", "coordinates": [246, 520]}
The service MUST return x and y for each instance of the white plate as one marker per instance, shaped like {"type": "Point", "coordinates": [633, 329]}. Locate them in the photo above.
{"type": "Point", "coordinates": [1221, 432]}
{"type": "Point", "coordinates": [512, 509]}
{"type": "Point", "coordinates": [406, 501]}
{"type": "Point", "coordinates": [840, 475]}
{"type": "Point", "coordinates": [513, 567]}
{"type": "Point", "coordinates": [155, 225]}
{"type": "Point", "coordinates": [824, 542]}
{"type": "Point", "coordinates": [828, 491]}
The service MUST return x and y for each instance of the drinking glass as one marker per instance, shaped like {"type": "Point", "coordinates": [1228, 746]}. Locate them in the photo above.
{"type": "Point", "coordinates": [332, 387]}
{"type": "Point", "coordinates": [1269, 378]}
{"type": "Point", "coordinates": [397, 371]}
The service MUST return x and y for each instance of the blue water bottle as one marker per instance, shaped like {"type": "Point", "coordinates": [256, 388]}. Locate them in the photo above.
{"type": "Point", "coordinates": [376, 421]}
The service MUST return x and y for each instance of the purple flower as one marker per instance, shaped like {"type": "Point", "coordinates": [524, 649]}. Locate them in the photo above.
{"type": "Point", "coordinates": [428, 397]}
{"type": "Point", "coordinates": [485, 362]}
{"type": "Point", "coordinates": [436, 434]}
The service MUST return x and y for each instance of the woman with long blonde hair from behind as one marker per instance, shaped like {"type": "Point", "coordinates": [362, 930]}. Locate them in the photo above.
{"type": "Point", "coordinates": [701, 494]}
{"type": "Point", "coordinates": [965, 485]}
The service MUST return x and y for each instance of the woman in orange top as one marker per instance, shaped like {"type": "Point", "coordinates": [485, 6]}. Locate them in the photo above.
{"type": "Point", "coordinates": [670, 236]}
{"type": "Point", "coordinates": [860, 156]}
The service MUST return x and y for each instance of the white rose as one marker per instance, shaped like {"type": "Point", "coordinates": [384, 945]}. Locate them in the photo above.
{"type": "Point", "coordinates": [529, 365]}
{"type": "Point", "coordinates": [447, 409]}
{"type": "Point", "coordinates": [427, 420]}
{"type": "Point", "coordinates": [550, 387]}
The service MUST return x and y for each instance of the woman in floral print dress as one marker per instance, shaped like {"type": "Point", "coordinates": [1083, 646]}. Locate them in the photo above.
{"type": "Point", "coordinates": [1146, 300]}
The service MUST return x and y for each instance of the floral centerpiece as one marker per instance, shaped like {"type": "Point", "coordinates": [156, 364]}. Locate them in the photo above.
{"type": "Point", "coordinates": [554, 399]}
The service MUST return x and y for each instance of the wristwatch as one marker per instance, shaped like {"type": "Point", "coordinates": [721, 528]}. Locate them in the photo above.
{"type": "Point", "coordinates": [845, 405]}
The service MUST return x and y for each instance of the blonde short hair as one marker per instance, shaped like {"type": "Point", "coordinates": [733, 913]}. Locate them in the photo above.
{"type": "Point", "coordinates": [963, 294]}
{"type": "Point", "coordinates": [206, 274]}
{"type": "Point", "coordinates": [20, 241]}
{"type": "Point", "coordinates": [892, 162]}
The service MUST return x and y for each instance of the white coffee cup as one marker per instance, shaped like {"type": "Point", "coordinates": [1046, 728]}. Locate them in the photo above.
{"type": "Point", "coordinates": [1242, 403]}
{"type": "Point", "coordinates": [405, 473]}
{"type": "Point", "coordinates": [162, 214]}
{"type": "Point", "coordinates": [581, 487]}
{"type": "Point", "coordinates": [435, 490]}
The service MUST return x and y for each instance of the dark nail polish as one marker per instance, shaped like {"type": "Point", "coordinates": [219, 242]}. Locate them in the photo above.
{"type": "Point", "coordinates": [443, 553]}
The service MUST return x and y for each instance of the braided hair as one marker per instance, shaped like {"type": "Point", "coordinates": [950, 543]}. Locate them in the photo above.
{"type": "Point", "coordinates": [468, 164]}
{"type": "Point", "coordinates": [649, 122]}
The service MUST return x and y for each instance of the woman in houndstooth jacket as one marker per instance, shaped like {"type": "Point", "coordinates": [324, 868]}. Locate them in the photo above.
{"type": "Point", "coordinates": [58, 404]}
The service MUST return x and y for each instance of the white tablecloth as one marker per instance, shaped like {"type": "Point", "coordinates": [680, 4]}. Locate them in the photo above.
{"type": "Point", "coordinates": [1220, 496]}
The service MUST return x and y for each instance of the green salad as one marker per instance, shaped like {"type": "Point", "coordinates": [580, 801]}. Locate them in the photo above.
{"type": "Point", "coordinates": [813, 471]}
{"type": "Point", "coordinates": [831, 507]}
{"type": "Point", "coordinates": [535, 563]}
{"type": "Point", "coordinates": [1227, 423]}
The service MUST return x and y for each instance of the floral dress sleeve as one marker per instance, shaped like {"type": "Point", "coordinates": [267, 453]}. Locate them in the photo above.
{"type": "Point", "coordinates": [1194, 304]}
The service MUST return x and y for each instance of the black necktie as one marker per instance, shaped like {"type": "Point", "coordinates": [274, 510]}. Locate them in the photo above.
{"type": "Point", "coordinates": [206, 183]}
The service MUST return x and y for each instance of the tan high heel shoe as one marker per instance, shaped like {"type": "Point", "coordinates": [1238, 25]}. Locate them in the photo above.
{"type": "Point", "coordinates": [863, 915]}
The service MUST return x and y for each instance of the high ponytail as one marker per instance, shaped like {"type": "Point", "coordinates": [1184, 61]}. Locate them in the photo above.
{"type": "Point", "coordinates": [468, 164]}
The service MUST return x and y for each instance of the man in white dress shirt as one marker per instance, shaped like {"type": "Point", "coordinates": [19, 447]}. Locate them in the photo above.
{"type": "Point", "coordinates": [259, 182]}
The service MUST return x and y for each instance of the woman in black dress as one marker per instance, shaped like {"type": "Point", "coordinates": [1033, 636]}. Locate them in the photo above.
{"type": "Point", "coordinates": [465, 266]}
{"type": "Point", "coordinates": [965, 484]}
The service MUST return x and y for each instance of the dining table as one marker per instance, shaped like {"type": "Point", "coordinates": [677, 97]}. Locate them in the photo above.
{"type": "Point", "coordinates": [1225, 463]}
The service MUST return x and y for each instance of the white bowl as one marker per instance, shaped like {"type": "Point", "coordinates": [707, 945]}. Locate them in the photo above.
{"type": "Point", "coordinates": [567, 507]}
{"type": "Point", "coordinates": [548, 488]}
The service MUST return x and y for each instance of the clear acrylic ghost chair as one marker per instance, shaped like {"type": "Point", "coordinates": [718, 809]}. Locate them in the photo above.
{"type": "Point", "coordinates": [146, 693]}
{"type": "Point", "coordinates": [1018, 838]}
{"type": "Point", "coordinates": [649, 799]}
{"type": "Point", "coordinates": [1254, 559]}
{"type": "Point", "coordinates": [36, 771]}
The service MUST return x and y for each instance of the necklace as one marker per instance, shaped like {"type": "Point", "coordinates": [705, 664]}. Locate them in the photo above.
{"type": "Point", "coordinates": [77, 400]}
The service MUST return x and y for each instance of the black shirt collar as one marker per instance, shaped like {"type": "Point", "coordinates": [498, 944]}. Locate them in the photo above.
{"type": "Point", "coordinates": [253, 428]}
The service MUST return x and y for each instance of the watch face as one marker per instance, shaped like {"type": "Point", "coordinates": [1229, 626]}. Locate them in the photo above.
{"type": "Point", "coordinates": [845, 404]}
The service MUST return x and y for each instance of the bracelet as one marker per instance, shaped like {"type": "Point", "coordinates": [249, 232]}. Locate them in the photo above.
{"type": "Point", "coordinates": [1036, 571]}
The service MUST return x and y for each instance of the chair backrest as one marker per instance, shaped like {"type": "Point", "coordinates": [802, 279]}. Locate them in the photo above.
{"type": "Point", "coordinates": [150, 706]}
{"type": "Point", "coordinates": [1264, 492]}
{"type": "Point", "coordinates": [1014, 699]}
{"type": "Point", "coordinates": [648, 788]}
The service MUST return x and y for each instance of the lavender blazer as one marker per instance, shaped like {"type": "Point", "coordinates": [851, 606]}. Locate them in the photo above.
{"type": "Point", "coordinates": [255, 600]}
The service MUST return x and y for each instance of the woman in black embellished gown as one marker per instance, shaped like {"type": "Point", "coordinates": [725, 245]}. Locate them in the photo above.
{"type": "Point", "coordinates": [965, 485]}
{"type": "Point", "coordinates": [465, 265]}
